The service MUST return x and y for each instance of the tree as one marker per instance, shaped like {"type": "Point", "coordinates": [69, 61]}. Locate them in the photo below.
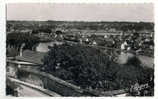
{"type": "Point", "coordinates": [17, 39]}
{"type": "Point", "coordinates": [90, 67]}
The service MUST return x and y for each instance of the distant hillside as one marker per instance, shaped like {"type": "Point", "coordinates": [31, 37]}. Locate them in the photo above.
{"type": "Point", "coordinates": [80, 25]}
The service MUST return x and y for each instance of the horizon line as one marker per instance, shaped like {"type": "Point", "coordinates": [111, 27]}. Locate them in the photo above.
{"type": "Point", "coordinates": [84, 21]}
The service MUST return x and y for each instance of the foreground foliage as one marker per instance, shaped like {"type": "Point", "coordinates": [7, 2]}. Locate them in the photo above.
{"type": "Point", "coordinates": [90, 68]}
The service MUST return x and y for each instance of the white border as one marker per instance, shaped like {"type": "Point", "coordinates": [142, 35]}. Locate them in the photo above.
{"type": "Point", "coordinates": [2, 48]}
{"type": "Point", "coordinates": [83, 1]}
{"type": "Point", "coordinates": [3, 37]}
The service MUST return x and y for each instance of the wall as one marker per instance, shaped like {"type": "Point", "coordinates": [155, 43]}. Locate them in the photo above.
{"type": "Point", "coordinates": [50, 82]}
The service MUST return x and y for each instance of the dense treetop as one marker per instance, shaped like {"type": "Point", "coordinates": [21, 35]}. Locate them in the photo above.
{"type": "Point", "coordinates": [89, 67]}
{"type": "Point", "coordinates": [17, 39]}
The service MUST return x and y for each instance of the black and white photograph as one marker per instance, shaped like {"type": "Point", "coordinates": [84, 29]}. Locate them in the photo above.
{"type": "Point", "coordinates": [80, 50]}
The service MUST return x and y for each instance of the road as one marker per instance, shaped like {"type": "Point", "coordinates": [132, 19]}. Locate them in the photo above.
{"type": "Point", "coordinates": [145, 60]}
{"type": "Point", "coordinates": [29, 92]}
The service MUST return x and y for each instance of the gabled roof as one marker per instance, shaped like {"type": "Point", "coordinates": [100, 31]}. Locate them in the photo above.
{"type": "Point", "coordinates": [31, 56]}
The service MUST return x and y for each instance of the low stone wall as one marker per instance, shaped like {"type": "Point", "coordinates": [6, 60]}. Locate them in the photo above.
{"type": "Point", "coordinates": [52, 83]}
{"type": "Point", "coordinates": [19, 89]}
{"type": "Point", "coordinates": [61, 87]}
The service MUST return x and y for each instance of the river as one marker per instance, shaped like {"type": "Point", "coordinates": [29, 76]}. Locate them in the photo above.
{"type": "Point", "coordinates": [43, 46]}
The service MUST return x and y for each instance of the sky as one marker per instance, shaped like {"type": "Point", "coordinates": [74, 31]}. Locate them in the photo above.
{"type": "Point", "coordinates": [81, 12]}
